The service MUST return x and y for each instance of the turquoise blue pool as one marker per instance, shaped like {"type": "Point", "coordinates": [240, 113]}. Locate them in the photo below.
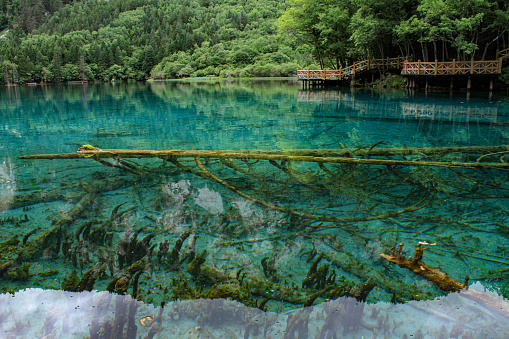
{"type": "Point", "coordinates": [267, 217]}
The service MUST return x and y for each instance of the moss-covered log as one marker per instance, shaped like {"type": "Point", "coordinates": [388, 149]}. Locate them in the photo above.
{"type": "Point", "coordinates": [442, 280]}
{"type": "Point", "coordinates": [346, 155]}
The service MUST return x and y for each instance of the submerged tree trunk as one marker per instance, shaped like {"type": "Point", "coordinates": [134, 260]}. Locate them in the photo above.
{"type": "Point", "coordinates": [344, 156]}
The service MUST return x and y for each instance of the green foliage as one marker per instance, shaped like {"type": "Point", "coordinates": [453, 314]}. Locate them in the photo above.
{"type": "Point", "coordinates": [139, 39]}
{"type": "Point", "coordinates": [505, 75]}
{"type": "Point", "coordinates": [341, 32]}
{"type": "Point", "coordinates": [390, 81]}
{"type": "Point", "coordinates": [63, 40]}
{"type": "Point", "coordinates": [70, 72]}
{"type": "Point", "coordinates": [457, 23]}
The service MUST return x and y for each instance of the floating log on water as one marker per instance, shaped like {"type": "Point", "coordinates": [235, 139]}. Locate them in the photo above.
{"type": "Point", "coordinates": [344, 155]}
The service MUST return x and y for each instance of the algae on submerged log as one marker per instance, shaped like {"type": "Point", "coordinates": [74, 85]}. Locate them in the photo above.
{"type": "Point", "coordinates": [442, 280]}
{"type": "Point", "coordinates": [321, 156]}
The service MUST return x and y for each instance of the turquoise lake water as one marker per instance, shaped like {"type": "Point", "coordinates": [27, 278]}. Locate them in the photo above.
{"type": "Point", "coordinates": [268, 228]}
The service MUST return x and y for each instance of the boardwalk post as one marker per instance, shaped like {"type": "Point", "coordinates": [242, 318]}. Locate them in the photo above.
{"type": "Point", "coordinates": [419, 67]}
{"type": "Point", "coordinates": [352, 80]}
{"type": "Point", "coordinates": [436, 66]}
{"type": "Point", "coordinates": [324, 75]}
{"type": "Point", "coordinates": [453, 66]}
{"type": "Point", "coordinates": [499, 65]}
{"type": "Point", "coordinates": [472, 66]}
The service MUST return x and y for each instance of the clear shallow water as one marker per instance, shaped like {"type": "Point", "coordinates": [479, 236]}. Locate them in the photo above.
{"type": "Point", "coordinates": [465, 213]}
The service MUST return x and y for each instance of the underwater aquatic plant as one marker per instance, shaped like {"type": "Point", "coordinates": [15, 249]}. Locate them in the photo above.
{"type": "Point", "coordinates": [317, 277]}
{"type": "Point", "coordinates": [130, 249]}
{"type": "Point", "coordinates": [269, 267]}
{"type": "Point", "coordinates": [175, 253]}
{"type": "Point", "coordinates": [19, 273]}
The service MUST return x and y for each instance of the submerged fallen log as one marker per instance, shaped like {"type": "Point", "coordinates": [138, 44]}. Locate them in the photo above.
{"type": "Point", "coordinates": [88, 150]}
{"type": "Point", "coordinates": [346, 155]}
{"type": "Point", "coordinates": [370, 190]}
{"type": "Point", "coordinates": [442, 280]}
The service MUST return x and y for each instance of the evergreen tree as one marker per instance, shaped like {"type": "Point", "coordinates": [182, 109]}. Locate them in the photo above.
{"type": "Point", "coordinates": [82, 68]}
{"type": "Point", "coordinates": [149, 59]}
{"type": "Point", "coordinates": [56, 64]}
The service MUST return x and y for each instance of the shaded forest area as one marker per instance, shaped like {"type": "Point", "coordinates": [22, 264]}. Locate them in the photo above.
{"type": "Point", "coordinates": [63, 40]}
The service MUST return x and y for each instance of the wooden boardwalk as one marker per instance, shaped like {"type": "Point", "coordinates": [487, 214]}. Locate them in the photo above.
{"type": "Point", "coordinates": [453, 67]}
{"type": "Point", "coordinates": [409, 68]}
{"type": "Point", "coordinates": [348, 72]}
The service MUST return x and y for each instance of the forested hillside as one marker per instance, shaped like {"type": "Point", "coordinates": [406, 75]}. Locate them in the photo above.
{"type": "Point", "coordinates": [138, 39]}
{"type": "Point", "coordinates": [62, 40]}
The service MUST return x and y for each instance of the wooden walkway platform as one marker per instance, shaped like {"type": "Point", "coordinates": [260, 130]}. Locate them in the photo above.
{"type": "Point", "coordinates": [409, 68]}
{"type": "Point", "coordinates": [348, 72]}
{"type": "Point", "coordinates": [453, 67]}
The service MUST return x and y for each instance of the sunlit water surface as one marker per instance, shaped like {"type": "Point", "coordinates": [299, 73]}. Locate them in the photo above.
{"type": "Point", "coordinates": [288, 234]}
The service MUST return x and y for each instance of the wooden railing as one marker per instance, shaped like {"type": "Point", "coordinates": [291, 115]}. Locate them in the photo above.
{"type": "Point", "coordinates": [410, 68]}
{"type": "Point", "coordinates": [347, 72]}
{"type": "Point", "coordinates": [452, 67]}
{"type": "Point", "coordinates": [504, 54]}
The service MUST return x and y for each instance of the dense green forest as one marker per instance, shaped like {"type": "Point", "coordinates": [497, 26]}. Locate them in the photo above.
{"type": "Point", "coordinates": [342, 31]}
{"type": "Point", "coordinates": [63, 40]}
{"type": "Point", "coordinates": [138, 39]}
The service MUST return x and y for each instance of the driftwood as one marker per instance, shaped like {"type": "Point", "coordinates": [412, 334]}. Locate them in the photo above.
{"type": "Point", "coordinates": [442, 280]}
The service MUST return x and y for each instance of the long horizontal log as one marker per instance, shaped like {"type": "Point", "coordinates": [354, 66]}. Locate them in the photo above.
{"type": "Point", "coordinates": [323, 156]}
{"type": "Point", "coordinates": [384, 151]}
{"type": "Point", "coordinates": [363, 151]}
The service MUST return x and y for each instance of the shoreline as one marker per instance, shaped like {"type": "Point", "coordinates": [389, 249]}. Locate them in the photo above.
{"type": "Point", "coordinates": [372, 85]}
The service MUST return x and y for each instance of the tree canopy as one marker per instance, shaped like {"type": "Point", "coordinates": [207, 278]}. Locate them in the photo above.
{"type": "Point", "coordinates": [427, 29]}
{"type": "Point", "coordinates": [139, 39]}
{"type": "Point", "coordinates": [63, 40]}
